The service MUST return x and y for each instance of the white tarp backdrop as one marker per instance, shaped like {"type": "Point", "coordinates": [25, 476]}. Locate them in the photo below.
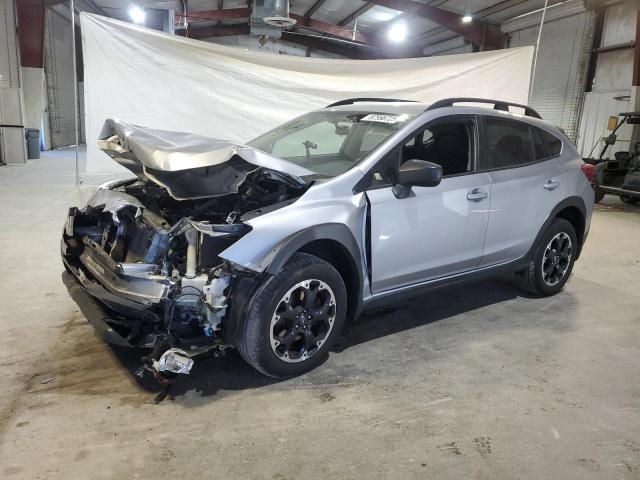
{"type": "Point", "coordinates": [157, 80]}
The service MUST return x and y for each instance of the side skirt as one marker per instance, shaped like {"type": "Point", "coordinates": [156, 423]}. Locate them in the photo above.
{"type": "Point", "coordinates": [403, 293]}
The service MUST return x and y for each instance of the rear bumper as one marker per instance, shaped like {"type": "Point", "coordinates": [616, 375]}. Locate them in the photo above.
{"type": "Point", "coordinates": [620, 191]}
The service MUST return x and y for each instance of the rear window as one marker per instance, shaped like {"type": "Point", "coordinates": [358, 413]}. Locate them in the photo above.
{"type": "Point", "coordinates": [508, 144]}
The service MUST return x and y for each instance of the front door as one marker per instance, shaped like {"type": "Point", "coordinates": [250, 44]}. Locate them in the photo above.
{"type": "Point", "coordinates": [435, 231]}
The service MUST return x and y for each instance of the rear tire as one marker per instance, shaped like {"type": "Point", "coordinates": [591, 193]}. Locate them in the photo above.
{"type": "Point", "coordinates": [552, 262]}
{"type": "Point", "coordinates": [293, 318]}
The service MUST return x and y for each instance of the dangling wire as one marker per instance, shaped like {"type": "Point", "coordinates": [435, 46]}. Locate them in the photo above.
{"type": "Point", "coordinates": [535, 55]}
{"type": "Point", "coordinates": [75, 90]}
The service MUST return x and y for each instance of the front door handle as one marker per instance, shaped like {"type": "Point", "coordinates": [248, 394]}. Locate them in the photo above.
{"type": "Point", "coordinates": [551, 184]}
{"type": "Point", "coordinates": [477, 195]}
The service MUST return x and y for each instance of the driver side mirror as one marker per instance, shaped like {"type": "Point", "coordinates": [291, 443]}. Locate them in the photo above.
{"type": "Point", "coordinates": [417, 173]}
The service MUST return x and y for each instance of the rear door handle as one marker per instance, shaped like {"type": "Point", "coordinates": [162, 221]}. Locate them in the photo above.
{"type": "Point", "coordinates": [477, 195]}
{"type": "Point", "coordinates": [551, 184]}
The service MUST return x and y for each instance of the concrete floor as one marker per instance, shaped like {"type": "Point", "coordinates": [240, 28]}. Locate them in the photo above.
{"type": "Point", "coordinates": [476, 382]}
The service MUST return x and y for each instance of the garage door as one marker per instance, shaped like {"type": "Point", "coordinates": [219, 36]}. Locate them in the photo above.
{"type": "Point", "coordinates": [9, 77]}
{"type": "Point", "coordinates": [558, 87]}
{"type": "Point", "coordinates": [60, 79]}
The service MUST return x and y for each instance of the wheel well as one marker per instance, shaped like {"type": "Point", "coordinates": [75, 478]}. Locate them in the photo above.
{"type": "Point", "coordinates": [339, 257]}
{"type": "Point", "coordinates": [575, 217]}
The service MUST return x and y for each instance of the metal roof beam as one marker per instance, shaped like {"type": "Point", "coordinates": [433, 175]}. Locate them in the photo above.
{"type": "Point", "coordinates": [214, 15]}
{"type": "Point", "coordinates": [362, 10]}
{"type": "Point", "coordinates": [314, 8]}
{"type": "Point", "coordinates": [209, 32]}
{"type": "Point", "coordinates": [479, 15]}
{"type": "Point", "coordinates": [330, 29]}
{"type": "Point", "coordinates": [31, 14]}
{"type": "Point", "coordinates": [488, 36]}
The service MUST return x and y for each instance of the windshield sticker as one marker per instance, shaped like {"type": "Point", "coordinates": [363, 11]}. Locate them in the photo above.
{"type": "Point", "coordinates": [384, 118]}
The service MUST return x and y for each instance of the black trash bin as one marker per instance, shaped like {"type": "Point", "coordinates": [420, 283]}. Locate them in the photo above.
{"type": "Point", "coordinates": [33, 142]}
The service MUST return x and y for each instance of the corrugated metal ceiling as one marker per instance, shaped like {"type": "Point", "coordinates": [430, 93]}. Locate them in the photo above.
{"type": "Point", "coordinates": [373, 19]}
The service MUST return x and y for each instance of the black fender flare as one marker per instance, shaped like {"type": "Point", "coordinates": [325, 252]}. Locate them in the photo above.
{"type": "Point", "coordinates": [573, 201]}
{"type": "Point", "coordinates": [336, 232]}
{"type": "Point", "coordinates": [598, 172]}
{"type": "Point", "coordinates": [328, 231]}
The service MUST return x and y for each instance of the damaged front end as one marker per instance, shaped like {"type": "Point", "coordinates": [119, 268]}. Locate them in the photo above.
{"type": "Point", "coordinates": [142, 258]}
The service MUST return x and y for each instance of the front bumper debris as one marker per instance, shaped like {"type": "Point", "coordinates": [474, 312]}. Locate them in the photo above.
{"type": "Point", "coordinates": [93, 312]}
{"type": "Point", "coordinates": [142, 305]}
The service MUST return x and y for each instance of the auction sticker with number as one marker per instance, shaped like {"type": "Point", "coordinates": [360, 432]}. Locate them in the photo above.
{"type": "Point", "coordinates": [384, 118]}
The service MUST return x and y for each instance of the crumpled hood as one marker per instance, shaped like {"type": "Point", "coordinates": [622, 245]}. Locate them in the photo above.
{"type": "Point", "coordinates": [190, 166]}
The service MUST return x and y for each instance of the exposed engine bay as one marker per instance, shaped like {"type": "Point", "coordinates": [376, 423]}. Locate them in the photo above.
{"type": "Point", "coordinates": [152, 260]}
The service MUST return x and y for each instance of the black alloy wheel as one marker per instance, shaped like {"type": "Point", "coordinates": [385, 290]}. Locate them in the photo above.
{"type": "Point", "coordinates": [303, 320]}
{"type": "Point", "coordinates": [556, 259]}
{"type": "Point", "coordinates": [293, 318]}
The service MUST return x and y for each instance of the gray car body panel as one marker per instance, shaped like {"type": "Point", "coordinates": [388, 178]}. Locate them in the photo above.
{"type": "Point", "coordinates": [334, 201]}
{"type": "Point", "coordinates": [417, 253]}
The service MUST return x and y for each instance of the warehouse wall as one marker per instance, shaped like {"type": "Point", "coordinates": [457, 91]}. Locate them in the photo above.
{"type": "Point", "coordinates": [558, 84]}
{"type": "Point", "coordinates": [33, 87]}
{"type": "Point", "coordinates": [9, 63]}
{"type": "Point", "coordinates": [12, 145]}
{"type": "Point", "coordinates": [611, 91]}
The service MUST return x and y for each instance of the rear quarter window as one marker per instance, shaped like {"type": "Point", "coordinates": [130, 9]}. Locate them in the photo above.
{"type": "Point", "coordinates": [546, 144]}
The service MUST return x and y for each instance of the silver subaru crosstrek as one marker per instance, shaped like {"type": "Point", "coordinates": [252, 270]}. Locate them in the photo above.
{"type": "Point", "coordinates": [271, 246]}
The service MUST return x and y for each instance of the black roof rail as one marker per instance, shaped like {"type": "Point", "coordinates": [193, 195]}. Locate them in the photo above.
{"type": "Point", "coordinates": [349, 101]}
{"type": "Point", "coordinates": [497, 105]}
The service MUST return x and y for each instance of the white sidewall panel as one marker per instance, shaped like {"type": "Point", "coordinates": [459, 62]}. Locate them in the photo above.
{"type": "Point", "coordinates": [157, 80]}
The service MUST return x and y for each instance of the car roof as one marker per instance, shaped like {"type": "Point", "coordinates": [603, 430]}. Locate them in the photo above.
{"type": "Point", "coordinates": [418, 108]}
{"type": "Point", "coordinates": [411, 108]}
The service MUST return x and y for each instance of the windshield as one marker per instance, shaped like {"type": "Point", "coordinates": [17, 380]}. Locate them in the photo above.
{"type": "Point", "coordinates": [330, 143]}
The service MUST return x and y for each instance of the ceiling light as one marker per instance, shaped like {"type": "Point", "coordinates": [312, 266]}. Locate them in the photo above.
{"type": "Point", "coordinates": [398, 32]}
{"type": "Point", "coordinates": [467, 18]}
{"type": "Point", "coordinates": [137, 14]}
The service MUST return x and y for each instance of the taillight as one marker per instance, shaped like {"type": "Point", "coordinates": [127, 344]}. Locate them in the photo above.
{"type": "Point", "coordinates": [588, 170]}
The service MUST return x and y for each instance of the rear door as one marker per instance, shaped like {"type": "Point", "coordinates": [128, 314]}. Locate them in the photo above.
{"type": "Point", "coordinates": [526, 185]}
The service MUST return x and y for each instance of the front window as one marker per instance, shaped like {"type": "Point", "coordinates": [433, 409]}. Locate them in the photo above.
{"type": "Point", "coordinates": [449, 142]}
{"type": "Point", "coordinates": [330, 143]}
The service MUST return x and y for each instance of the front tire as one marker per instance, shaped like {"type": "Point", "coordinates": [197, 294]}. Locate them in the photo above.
{"type": "Point", "coordinates": [552, 261]}
{"type": "Point", "coordinates": [293, 318]}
